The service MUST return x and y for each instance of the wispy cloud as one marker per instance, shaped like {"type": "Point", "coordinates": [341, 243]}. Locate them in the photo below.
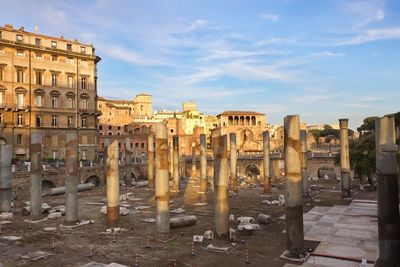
{"type": "Point", "coordinates": [327, 54]}
{"type": "Point", "coordinates": [274, 41]}
{"type": "Point", "coordinates": [364, 12]}
{"type": "Point", "coordinates": [371, 36]}
{"type": "Point", "coordinates": [129, 56]}
{"type": "Point", "coordinates": [270, 17]}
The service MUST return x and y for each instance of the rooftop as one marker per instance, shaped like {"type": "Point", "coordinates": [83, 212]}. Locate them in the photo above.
{"type": "Point", "coordinates": [240, 112]}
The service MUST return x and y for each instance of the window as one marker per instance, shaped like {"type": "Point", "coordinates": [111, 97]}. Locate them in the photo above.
{"type": "Point", "coordinates": [1, 98]}
{"type": "Point", "coordinates": [83, 49]}
{"type": "Point", "coordinates": [39, 56]}
{"type": "Point", "coordinates": [84, 154]}
{"type": "Point", "coordinates": [54, 58]}
{"type": "Point", "coordinates": [20, 100]}
{"type": "Point", "coordinates": [70, 81]}
{"type": "Point", "coordinates": [20, 38]}
{"type": "Point", "coordinates": [70, 60]}
{"type": "Point", "coordinates": [38, 120]}
{"type": "Point", "coordinates": [84, 63]}
{"type": "Point", "coordinates": [19, 139]}
{"type": "Point", "coordinates": [54, 121]}
{"type": "Point", "coordinates": [19, 120]}
{"type": "Point", "coordinates": [84, 122]}
{"type": "Point", "coordinates": [54, 154]}
{"type": "Point", "coordinates": [39, 77]}
{"type": "Point", "coordinates": [101, 127]}
{"type": "Point", "coordinates": [70, 102]}
{"type": "Point", "coordinates": [54, 79]}
{"type": "Point", "coordinates": [38, 100]}
{"type": "Point", "coordinates": [20, 53]}
{"type": "Point", "coordinates": [20, 76]}
{"type": "Point", "coordinates": [70, 121]}
{"type": "Point", "coordinates": [54, 101]}
{"type": "Point", "coordinates": [53, 44]}
{"type": "Point", "coordinates": [1, 74]}
{"type": "Point", "coordinates": [69, 47]}
{"type": "Point", "coordinates": [1, 118]}
{"type": "Point", "coordinates": [84, 103]}
{"type": "Point", "coordinates": [119, 128]}
{"type": "Point", "coordinates": [37, 41]}
{"type": "Point", "coordinates": [84, 83]}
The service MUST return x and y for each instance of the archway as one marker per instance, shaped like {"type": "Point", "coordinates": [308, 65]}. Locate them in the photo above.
{"type": "Point", "coordinates": [3, 141]}
{"type": "Point", "coordinates": [47, 185]}
{"type": "Point", "coordinates": [327, 171]}
{"type": "Point", "coordinates": [94, 179]}
{"type": "Point", "coordinates": [252, 171]}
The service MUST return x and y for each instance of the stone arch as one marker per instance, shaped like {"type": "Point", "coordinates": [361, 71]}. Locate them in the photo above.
{"type": "Point", "coordinates": [236, 120]}
{"type": "Point", "coordinates": [93, 179]}
{"type": "Point", "coordinates": [247, 120]}
{"type": "Point", "coordinates": [252, 170]}
{"type": "Point", "coordinates": [3, 141]}
{"type": "Point", "coordinates": [230, 120]}
{"type": "Point", "coordinates": [253, 120]}
{"type": "Point", "coordinates": [133, 176]}
{"type": "Point", "coordinates": [47, 185]}
{"type": "Point", "coordinates": [242, 120]}
{"type": "Point", "coordinates": [326, 171]}
{"type": "Point", "coordinates": [144, 129]}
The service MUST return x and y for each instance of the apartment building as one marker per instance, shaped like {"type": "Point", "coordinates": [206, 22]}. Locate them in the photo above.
{"type": "Point", "coordinates": [47, 85]}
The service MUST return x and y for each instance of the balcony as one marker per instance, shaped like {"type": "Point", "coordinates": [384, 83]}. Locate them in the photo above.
{"type": "Point", "coordinates": [17, 107]}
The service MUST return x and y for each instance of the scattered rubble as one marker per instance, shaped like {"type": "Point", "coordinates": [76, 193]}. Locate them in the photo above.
{"type": "Point", "coordinates": [6, 215]}
{"type": "Point", "coordinates": [264, 219]}
{"type": "Point", "coordinates": [211, 247]}
{"type": "Point", "coordinates": [35, 256]}
{"type": "Point", "coordinates": [122, 211]}
{"type": "Point", "coordinates": [209, 235]}
{"type": "Point", "coordinates": [54, 215]}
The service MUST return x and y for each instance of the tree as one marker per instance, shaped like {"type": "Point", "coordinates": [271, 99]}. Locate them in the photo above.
{"type": "Point", "coordinates": [362, 156]}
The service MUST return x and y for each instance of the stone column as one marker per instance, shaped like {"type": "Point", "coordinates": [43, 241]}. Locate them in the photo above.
{"type": "Point", "coordinates": [203, 163]}
{"type": "Point", "coordinates": [128, 160]}
{"type": "Point", "coordinates": [36, 174]}
{"type": "Point", "coordinates": [266, 158]}
{"type": "Point", "coordinates": [150, 161]}
{"type": "Point", "coordinates": [233, 162]}
{"type": "Point", "coordinates": [71, 177]}
{"type": "Point", "coordinates": [175, 169]}
{"type": "Point", "coordinates": [221, 169]}
{"type": "Point", "coordinates": [5, 178]}
{"type": "Point", "coordinates": [304, 174]}
{"type": "Point", "coordinates": [387, 192]}
{"type": "Point", "coordinates": [293, 197]}
{"type": "Point", "coordinates": [344, 157]}
{"type": "Point", "coordinates": [162, 180]}
{"type": "Point", "coordinates": [112, 184]}
{"type": "Point", "coordinates": [194, 169]}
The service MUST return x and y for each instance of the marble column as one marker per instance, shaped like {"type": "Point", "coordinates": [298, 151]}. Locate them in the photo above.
{"type": "Point", "coordinates": [387, 192]}
{"type": "Point", "coordinates": [162, 180]}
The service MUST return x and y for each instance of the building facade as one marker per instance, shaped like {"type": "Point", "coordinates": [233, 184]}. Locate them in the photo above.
{"type": "Point", "coordinates": [47, 85]}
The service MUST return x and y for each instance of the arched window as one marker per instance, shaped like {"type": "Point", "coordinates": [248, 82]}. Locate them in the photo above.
{"type": "Point", "coordinates": [253, 120]}
{"type": "Point", "coordinates": [230, 120]}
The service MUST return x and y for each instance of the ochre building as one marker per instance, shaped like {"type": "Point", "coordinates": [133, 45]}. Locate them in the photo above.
{"type": "Point", "coordinates": [47, 85]}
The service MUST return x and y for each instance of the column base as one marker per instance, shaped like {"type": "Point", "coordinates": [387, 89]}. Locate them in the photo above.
{"type": "Point", "coordinates": [287, 256]}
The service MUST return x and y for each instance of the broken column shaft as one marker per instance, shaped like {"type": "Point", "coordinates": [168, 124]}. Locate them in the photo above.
{"type": "Point", "coordinates": [387, 192]}
{"type": "Point", "coordinates": [162, 180]}
{"type": "Point", "coordinates": [221, 169]}
{"type": "Point", "coordinates": [304, 175]}
{"type": "Point", "coordinates": [233, 162]}
{"type": "Point", "coordinates": [203, 163]}
{"type": "Point", "coordinates": [175, 155]}
{"type": "Point", "coordinates": [128, 160]}
{"type": "Point", "coordinates": [71, 177]}
{"type": "Point", "coordinates": [5, 178]}
{"type": "Point", "coordinates": [344, 157]}
{"type": "Point", "coordinates": [150, 161]}
{"type": "Point", "coordinates": [266, 158]}
{"type": "Point", "coordinates": [293, 197]}
{"type": "Point", "coordinates": [36, 174]}
{"type": "Point", "coordinates": [113, 184]}
{"type": "Point", "coordinates": [194, 168]}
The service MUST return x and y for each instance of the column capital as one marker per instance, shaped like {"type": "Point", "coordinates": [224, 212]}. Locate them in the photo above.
{"type": "Point", "coordinates": [343, 123]}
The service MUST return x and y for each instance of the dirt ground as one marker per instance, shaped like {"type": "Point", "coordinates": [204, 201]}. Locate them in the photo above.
{"type": "Point", "coordinates": [88, 243]}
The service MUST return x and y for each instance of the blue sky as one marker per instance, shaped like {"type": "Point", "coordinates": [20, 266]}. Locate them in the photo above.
{"type": "Point", "coordinates": [320, 59]}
